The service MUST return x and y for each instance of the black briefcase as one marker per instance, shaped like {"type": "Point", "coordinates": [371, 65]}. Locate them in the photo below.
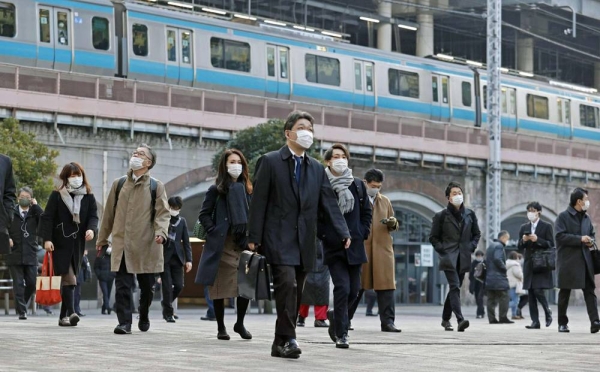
{"type": "Point", "coordinates": [543, 260]}
{"type": "Point", "coordinates": [596, 259]}
{"type": "Point", "coordinates": [254, 281]}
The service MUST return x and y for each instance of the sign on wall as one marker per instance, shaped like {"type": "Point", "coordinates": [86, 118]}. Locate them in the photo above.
{"type": "Point", "coordinates": [426, 255]}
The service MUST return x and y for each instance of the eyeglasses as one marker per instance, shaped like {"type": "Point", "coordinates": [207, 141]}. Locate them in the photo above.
{"type": "Point", "coordinates": [140, 153]}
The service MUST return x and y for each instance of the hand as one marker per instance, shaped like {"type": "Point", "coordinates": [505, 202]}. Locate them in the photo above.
{"type": "Point", "coordinates": [10, 242]}
{"type": "Point", "coordinates": [188, 267]}
{"type": "Point", "coordinates": [525, 238]}
{"type": "Point", "coordinates": [533, 238]}
{"type": "Point", "coordinates": [251, 246]}
{"type": "Point", "coordinates": [159, 280]}
{"type": "Point", "coordinates": [48, 246]}
{"type": "Point", "coordinates": [159, 239]}
{"type": "Point", "coordinates": [391, 222]}
{"type": "Point", "coordinates": [89, 235]}
{"type": "Point", "coordinates": [98, 247]}
{"type": "Point", "coordinates": [33, 201]}
{"type": "Point", "coordinates": [586, 239]}
{"type": "Point", "coordinates": [347, 243]}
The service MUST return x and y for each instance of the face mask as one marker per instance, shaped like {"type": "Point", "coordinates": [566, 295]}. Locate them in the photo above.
{"type": "Point", "coordinates": [457, 200]}
{"type": "Point", "coordinates": [586, 205]}
{"type": "Point", "coordinates": [304, 138]}
{"type": "Point", "coordinates": [532, 216]}
{"type": "Point", "coordinates": [75, 182]}
{"type": "Point", "coordinates": [24, 203]}
{"type": "Point", "coordinates": [339, 165]}
{"type": "Point", "coordinates": [136, 163]}
{"type": "Point", "coordinates": [174, 213]}
{"type": "Point", "coordinates": [234, 170]}
{"type": "Point", "coordinates": [372, 191]}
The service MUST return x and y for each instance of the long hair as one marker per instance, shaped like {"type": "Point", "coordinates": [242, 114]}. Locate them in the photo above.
{"type": "Point", "coordinates": [224, 179]}
{"type": "Point", "coordinates": [74, 169]}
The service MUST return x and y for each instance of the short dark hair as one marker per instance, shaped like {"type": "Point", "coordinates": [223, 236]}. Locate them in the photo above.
{"type": "Point", "coordinates": [513, 255]}
{"type": "Point", "coordinates": [27, 190]}
{"type": "Point", "coordinates": [336, 146]}
{"type": "Point", "coordinates": [452, 185]}
{"type": "Point", "coordinates": [176, 201]}
{"type": "Point", "coordinates": [577, 194]}
{"type": "Point", "coordinates": [152, 153]}
{"type": "Point", "coordinates": [479, 253]}
{"type": "Point", "coordinates": [374, 174]}
{"type": "Point", "coordinates": [535, 205]}
{"type": "Point", "coordinates": [502, 234]}
{"type": "Point", "coordinates": [293, 118]}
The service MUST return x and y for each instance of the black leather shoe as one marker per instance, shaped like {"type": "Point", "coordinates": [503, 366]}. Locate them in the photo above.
{"type": "Point", "coordinates": [123, 329]}
{"type": "Point", "coordinates": [175, 317]}
{"type": "Point", "coordinates": [462, 325]}
{"type": "Point", "coordinates": [207, 318]}
{"type": "Point", "coordinates": [447, 326]}
{"type": "Point", "coordinates": [563, 329]}
{"type": "Point", "coordinates": [494, 321]}
{"type": "Point", "coordinates": [342, 342]}
{"type": "Point", "coordinates": [370, 314]}
{"type": "Point", "coordinates": [331, 329]}
{"type": "Point", "coordinates": [170, 319]}
{"type": "Point", "coordinates": [549, 318]}
{"type": "Point", "coordinates": [81, 315]}
{"type": "Point", "coordinates": [144, 325]}
{"type": "Point", "coordinates": [300, 322]}
{"type": "Point", "coordinates": [390, 328]}
{"type": "Point", "coordinates": [505, 321]}
{"type": "Point", "coordinates": [222, 335]}
{"type": "Point", "coordinates": [103, 311]}
{"type": "Point", "coordinates": [23, 316]}
{"type": "Point", "coordinates": [321, 324]}
{"type": "Point", "coordinates": [595, 326]}
{"type": "Point", "coordinates": [534, 325]}
{"type": "Point", "coordinates": [289, 350]}
{"type": "Point", "coordinates": [242, 331]}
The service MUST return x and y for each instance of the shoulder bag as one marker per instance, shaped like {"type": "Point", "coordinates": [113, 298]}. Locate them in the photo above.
{"type": "Point", "coordinates": [47, 285]}
{"type": "Point", "coordinates": [596, 259]}
{"type": "Point", "coordinates": [199, 230]}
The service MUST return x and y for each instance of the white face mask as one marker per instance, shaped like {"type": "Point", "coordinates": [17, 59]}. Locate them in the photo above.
{"type": "Point", "coordinates": [75, 182]}
{"type": "Point", "coordinates": [339, 165]}
{"type": "Point", "coordinates": [586, 205]}
{"type": "Point", "coordinates": [136, 163]}
{"type": "Point", "coordinates": [174, 213]}
{"type": "Point", "coordinates": [372, 191]}
{"type": "Point", "coordinates": [532, 216]}
{"type": "Point", "coordinates": [457, 200]}
{"type": "Point", "coordinates": [234, 170]}
{"type": "Point", "coordinates": [304, 138]}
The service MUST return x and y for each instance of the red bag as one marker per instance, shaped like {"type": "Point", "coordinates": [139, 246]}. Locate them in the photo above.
{"type": "Point", "coordinates": [47, 285]}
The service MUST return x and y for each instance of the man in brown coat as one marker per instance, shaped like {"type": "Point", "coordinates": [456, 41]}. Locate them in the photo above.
{"type": "Point", "coordinates": [137, 216]}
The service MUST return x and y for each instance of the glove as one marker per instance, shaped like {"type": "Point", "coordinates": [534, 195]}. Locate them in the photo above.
{"type": "Point", "coordinates": [391, 222]}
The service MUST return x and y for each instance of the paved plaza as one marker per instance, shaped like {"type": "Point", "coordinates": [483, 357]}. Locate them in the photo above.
{"type": "Point", "coordinates": [38, 344]}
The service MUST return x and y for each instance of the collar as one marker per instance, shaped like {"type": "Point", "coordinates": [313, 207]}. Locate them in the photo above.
{"type": "Point", "coordinates": [294, 154]}
{"type": "Point", "coordinates": [21, 210]}
{"type": "Point", "coordinates": [134, 178]}
{"type": "Point", "coordinates": [286, 153]}
{"type": "Point", "coordinates": [572, 210]}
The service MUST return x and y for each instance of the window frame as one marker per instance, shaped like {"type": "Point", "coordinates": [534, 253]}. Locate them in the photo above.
{"type": "Point", "coordinates": [146, 44]}
{"type": "Point", "coordinates": [588, 109]}
{"type": "Point", "coordinates": [319, 58]}
{"type": "Point", "coordinates": [223, 57]}
{"type": "Point", "coordinates": [408, 74]}
{"type": "Point", "coordinates": [469, 94]}
{"type": "Point", "coordinates": [534, 99]}
{"type": "Point", "coordinates": [14, 14]}
{"type": "Point", "coordinates": [107, 30]}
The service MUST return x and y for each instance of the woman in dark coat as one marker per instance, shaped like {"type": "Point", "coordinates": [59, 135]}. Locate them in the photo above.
{"type": "Point", "coordinates": [70, 219]}
{"type": "Point", "coordinates": [224, 215]}
{"type": "Point", "coordinates": [345, 263]}
{"type": "Point", "coordinates": [316, 292]}
{"type": "Point", "coordinates": [105, 277]}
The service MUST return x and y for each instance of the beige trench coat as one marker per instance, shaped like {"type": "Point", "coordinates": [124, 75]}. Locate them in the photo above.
{"type": "Point", "coordinates": [132, 231]}
{"type": "Point", "coordinates": [379, 273]}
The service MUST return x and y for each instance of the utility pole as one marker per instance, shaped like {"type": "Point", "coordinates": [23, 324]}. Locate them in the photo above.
{"type": "Point", "coordinates": [494, 170]}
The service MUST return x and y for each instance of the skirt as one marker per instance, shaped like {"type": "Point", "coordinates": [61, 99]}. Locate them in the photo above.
{"type": "Point", "coordinates": [225, 285]}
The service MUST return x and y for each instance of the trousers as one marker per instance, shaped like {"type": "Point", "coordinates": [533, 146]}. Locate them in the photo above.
{"type": "Point", "coordinates": [346, 284]}
{"type": "Point", "coordinates": [124, 283]}
{"type": "Point", "coordinates": [106, 288]}
{"type": "Point", "coordinates": [320, 311]}
{"type": "Point", "coordinates": [23, 277]}
{"type": "Point", "coordinates": [500, 299]}
{"type": "Point", "coordinates": [452, 303]}
{"type": "Point", "coordinates": [288, 283]}
{"type": "Point", "coordinates": [535, 296]}
{"type": "Point", "coordinates": [172, 284]}
{"type": "Point", "coordinates": [589, 296]}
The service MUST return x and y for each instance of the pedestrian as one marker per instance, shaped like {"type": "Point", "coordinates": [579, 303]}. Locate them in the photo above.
{"type": "Point", "coordinates": [210, 311]}
{"type": "Point", "coordinates": [316, 292]}
{"type": "Point", "coordinates": [224, 215]}
{"type": "Point", "coordinates": [177, 256]}
{"type": "Point", "coordinates": [476, 287]}
{"type": "Point", "coordinates": [84, 275]}
{"type": "Point", "coordinates": [134, 201]}
{"type": "Point", "coordinates": [524, 296]}
{"type": "Point", "coordinates": [514, 272]}
{"type": "Point", "coordinates": [69, 220]}
{"type": "Point", "coordinates": [575, 237]}
{"type": "Point", "coordinates": [536, 235]}
{"type": "Point", "coordinates": [378, 272]}
{"type": "Point", "coordinates": [7, 208]}
{"type": "Point", "coordinates": [22, 260]}
{"type": "Point", "coordinates": [291, 190]}
{"type": "Point", "coordinates": [496, 280]}
{"type": "Point", "coordinates": [105, 277]}
{"type": "Point", "coordinates": [454, 236]}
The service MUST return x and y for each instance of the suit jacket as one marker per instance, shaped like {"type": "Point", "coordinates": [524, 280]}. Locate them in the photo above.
{"type": "Point", "coordinates": [545, 240]}
{"type": "Point", "coordinates": [24, 250]}
{"type": "Point", "coordinates": [179, 247]}
{"type": "Point", "coordinates": [9, 198]}
{"type": "Point", "coordinates": [283, 216]}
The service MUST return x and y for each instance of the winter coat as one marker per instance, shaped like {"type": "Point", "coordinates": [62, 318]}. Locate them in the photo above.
{"type": "Point", "coordinates": [379, 272]}
{"type": "Point", "coordinates": [316, 288]}
{"type": "Point", "coordinates": [133, 232]}
{"type": "Point", "coordinates": [495, 261]}
{"type": "Point", "coordinates": [68, 238]}
{"type": "Point", "coordinates": [24, 250]}
{"type": "Point", "coordinates": [573, 258]}
{"type": "Point", "coordinates": [545, 240]}
{"type": "Point", "coordinates": [514, 273]}
{"type": "Point", "coordinates": [454, 239]}
{"type": "Point", "coordinates": [7, 191]}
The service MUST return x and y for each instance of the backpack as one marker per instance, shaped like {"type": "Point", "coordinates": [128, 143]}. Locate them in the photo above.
{"type": "Point", "coordinates": [153, 186]}
{"type": "Point", "coordinates": [480, 272]}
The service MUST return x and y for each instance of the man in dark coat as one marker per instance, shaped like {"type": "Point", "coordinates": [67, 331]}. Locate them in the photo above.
{"type": "Point", "coordinates": [575, 237]}
{"type": "Point", "coordinates": [290, 191]}
{"type": "Point", "coordinates": [22, 261]}
{"type": "Point", "coordinates": [534, 236]}
{"type": "Point", "coordinates": [7, 190]}
{"type": "Point", "coordinates": [454, 235]}
{"type": "Point", "coordinates": [496, 280]}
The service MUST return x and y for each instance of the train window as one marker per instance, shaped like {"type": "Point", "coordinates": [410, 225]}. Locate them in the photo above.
{"type": "Point", "coordinates": [513, 101]}
{"type": "Point", "coordinates": [369, 76]}
{"type": "Point", "coordinates": [62, 26]}
{"type": "Point", "coordinates": [357, 76]}
{"type": "Point", "coordinates": [537, 107]}
{"type": "Point", "coordinates": [140, 39]}
{"type": "Point", "coordinates": [283, 63]}
{"type": "Point", "coordinates": [44, 19]}
{"type": "Point", "coordinates": [271, 61]}
{"type": "Point", "coordinates": [186, 47]}
{"type": "Point", "coordinates": [434, 89]}
{"type": "Point", "coordinates": [504, 101]}
{"type": "Point", "coordinates": [229, 54]}
{"type": "Point", "coordinates": [444, 89]}
{"type": "Point", "coordinates": [171, 46]}
{"type": "Point", "coordinates": [559, 107]}
{"type": "Point", "coordinates": [8, 22]}
{"type": "Point", "coordinates": [322, 70]}
{"type": "Point", "coordinates": [404, 83]}
{"type": "Point", "coordinates": [100, 33]}
{"type": "Point", "coordinates": [588, 116]}
{"type": "Point", "coordinates": [467, 98]}
{"type": "Point", "coordinates": [485, 97]}
{"type": "Point", "coordinates": [568, 112]}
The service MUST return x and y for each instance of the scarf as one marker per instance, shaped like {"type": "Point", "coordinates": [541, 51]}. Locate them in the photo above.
{"type": "Point", "coordinates": [237, 207]}
{"type": "Point", "coordinates": [173, 227]}
{"type": "Point", "coordinates": [457, 213]}
{"type": "Point", "coordinates": [73, 202]}
{"type": "Point", "coordinates": [340, 185]}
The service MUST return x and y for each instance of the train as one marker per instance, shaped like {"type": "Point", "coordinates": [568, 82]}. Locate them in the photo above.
{"type": "Point", "coordinates": [138, 41]}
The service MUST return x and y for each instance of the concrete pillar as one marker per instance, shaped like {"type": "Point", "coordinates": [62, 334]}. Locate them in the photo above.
{"type": "Point", "coordinates": [597, 75]}
{"type": "Point", "coordinates": [384, 30]}
{"type": "Point", "coordinates": [425, 31]}
{"type": "Point", "coordinates": [525, 54]}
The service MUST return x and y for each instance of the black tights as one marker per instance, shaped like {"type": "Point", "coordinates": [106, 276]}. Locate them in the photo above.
{"type": "Point", "coordinates": [68, 301]}
{"type": "Point", "coordinates": [242, 306]}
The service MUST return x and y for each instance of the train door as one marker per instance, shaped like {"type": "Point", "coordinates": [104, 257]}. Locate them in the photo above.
{"type": "Point", "coordinates": [563, 106]}
{"type": "Point", "coordinates": [180, 57]}
{"type": "Point", "coordinates": [440, 97]}
{"type": "Point", "coordinates": [55, 38]}
{"type": "Point", "coordinates": [509, 108]}
{"type": "Point", "coordinates": [364, 92]}
{"type": "Point", "coordinates": [278, 72]}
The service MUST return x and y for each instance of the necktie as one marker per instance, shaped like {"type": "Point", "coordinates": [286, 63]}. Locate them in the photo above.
{"type": "Point", "coordinates": [298, 168]}
{"type": "Point", "coordinates": [24, 214]}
